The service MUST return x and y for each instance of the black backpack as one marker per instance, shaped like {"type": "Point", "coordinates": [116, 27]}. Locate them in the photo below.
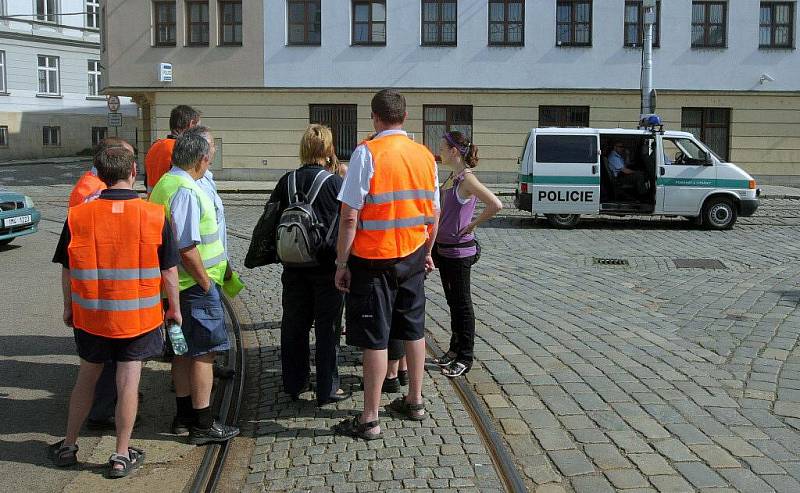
{"type": "Point", "coordinates": [300, 235]}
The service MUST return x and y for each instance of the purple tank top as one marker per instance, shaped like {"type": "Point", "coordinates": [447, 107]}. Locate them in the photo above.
{"type": "Point", "coordinates": [455, 216]}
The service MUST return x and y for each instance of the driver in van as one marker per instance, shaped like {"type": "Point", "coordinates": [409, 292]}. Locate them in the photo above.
{"type": "Point", "coordinates": [617, 161]}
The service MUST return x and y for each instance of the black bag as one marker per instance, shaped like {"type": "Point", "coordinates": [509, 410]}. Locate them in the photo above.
{"type": "Point", "coordinates": [474, 242]}
{"type": "Point", "coordinates": [300, 234]}
{"type": "Point", "coordinates": [262, 249]}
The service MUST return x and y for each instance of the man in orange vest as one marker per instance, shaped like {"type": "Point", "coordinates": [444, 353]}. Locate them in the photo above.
{"type": "Point", "coordinates": [159, 157]}
{"type": "Point", "coordinates": [117, 252]}
{"type": "Point", "coordinates": [89, 185]}
{"type": "Point", "coordinates": [390, 212]}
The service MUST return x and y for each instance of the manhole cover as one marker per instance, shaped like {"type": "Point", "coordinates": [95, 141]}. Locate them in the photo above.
{"type": "Point", "coordinates": [698, 263]}
{"type": "Point", "coordinates": [610, 261]}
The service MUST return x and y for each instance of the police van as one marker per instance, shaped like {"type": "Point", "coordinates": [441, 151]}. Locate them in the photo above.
{"type": "Point", "coordinates": [569, 172]}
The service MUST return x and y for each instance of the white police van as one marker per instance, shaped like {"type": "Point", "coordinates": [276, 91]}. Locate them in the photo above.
{"type": "Point", "coordinates": [566, 172]}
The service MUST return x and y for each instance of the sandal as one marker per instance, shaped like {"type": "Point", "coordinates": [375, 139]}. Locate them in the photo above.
{"type": "Point", "coordinates": [134, 460]}
{"type": "Point", "coordinates": [353, 427]}
{"type": "Point", "coordinates": [63, 455]}
{"type": "Point", "coordinates": [409, 411]}
{"type": "Point", "coordinates": [456, 369]}
{"type": "Point", "coordinates": [445, 359]}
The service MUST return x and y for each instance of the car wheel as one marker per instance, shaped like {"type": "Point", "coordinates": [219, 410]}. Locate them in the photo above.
{"type": "Point", "coordinates": [719, 213]}
{"type": "Point", "coordinates": [563, 221]}
{"type": "Point", "coordinates": [6, 242]}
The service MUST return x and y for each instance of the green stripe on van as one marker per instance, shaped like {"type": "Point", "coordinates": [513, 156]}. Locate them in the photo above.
{"type": "Point", "coordinates": [703, 182]}
{"type": "Point", "coordinates": [560, 180]}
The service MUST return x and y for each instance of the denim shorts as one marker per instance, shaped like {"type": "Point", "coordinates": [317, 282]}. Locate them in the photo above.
{"type": "Point", "coordinates": [203, 321]}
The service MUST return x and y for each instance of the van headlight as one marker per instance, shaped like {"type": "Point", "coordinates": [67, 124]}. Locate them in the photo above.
{"type": "Point", "coordinates": [28, 202]}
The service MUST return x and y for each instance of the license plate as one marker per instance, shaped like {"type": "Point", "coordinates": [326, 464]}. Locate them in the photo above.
{"type": "Point", "coordinates": [16, 221]}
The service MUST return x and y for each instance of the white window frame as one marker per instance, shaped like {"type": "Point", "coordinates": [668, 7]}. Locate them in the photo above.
{"type": "Point", "coordinates": [93, 14]}
{"type": "Point", "coordinates": [95, 133]}
{"type": "Point", "coordinates": [3, 135]}
{"type": "Point", "coordinates": [50, 72]}
{"type": "Point", "coordinates": [48, 142]}
{"type": "Point", "coordinates": [46, 15]}
{"type": "Point", "coordinates": [3, 78]}
{"type": "Point", "coordinates": [94, 76]}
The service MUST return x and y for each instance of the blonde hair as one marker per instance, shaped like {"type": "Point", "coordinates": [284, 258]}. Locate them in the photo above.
{"type": "Point", "coordinates": [316, 144]}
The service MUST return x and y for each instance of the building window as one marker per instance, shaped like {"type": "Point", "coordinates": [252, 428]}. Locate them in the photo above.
{"type": "Point", "coordinates": [197, 23]}
{"type": "Point", "coordinates": [98, 134]}
{"type": "Point", "coordinates": [439, 22]}
{"type": "Point", "coordinates": [48, 76]}
{"type": "Point", "coordinates": [47, 10]}
{"type": "Point", "coordinates": [369, 23]}
{"type": "Point", "coordinates": [94, 78]}
{"type": "Point", "coordinates": [165, 23]}
{"type": "Point", "coordinates": [506, 22]}
{"type": "Point", "coordinates": [563, 116]}
{"type": "Point", "coordinates": [3, 87]}
{"type": "Point", "coordinates": [4, 136]}
{"type": "Point", "coordinates": [439, 119]}
{"type": "Point", "coordinates": [634, 23]}
{"type": "Point", "coordinates": [574, 23]}
{"type": "Point", "coordinates": [708, 24]}
{"type": "Point", "coordinates": [776, 25]}
{"type": "Point", "coordinates": [230, 20]}
{"type": "Point", "coordinates": [51, 136]}
{"type": "Point", "coordinates": [305, 22]}
{"type": "Point", "coordinates": [342, 119]}
{"type": "Point", "coordinates": [711, 125]}
{"type": "Point", "coordinates": [93, 14]}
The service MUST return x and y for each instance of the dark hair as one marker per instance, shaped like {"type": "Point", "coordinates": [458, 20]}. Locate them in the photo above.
{"type": "Point", "coordinates": [181, 117]}
{"type": "Point", "coordinates": [468, 150]}
{"type": "Point", "coordinates": [191, 147]}
{"type": "Point", "coordinates": [107, 143]}
{"type": "Point", "coordinates": [114, 163]}
{"type": "Point", "coordinates": [389, 106]}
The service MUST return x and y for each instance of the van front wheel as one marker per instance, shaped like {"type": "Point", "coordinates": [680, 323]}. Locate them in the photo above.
{"type": "Point", "coordinates": [563, 221]}
{"type": "Point", "coordinates": [719, 213]}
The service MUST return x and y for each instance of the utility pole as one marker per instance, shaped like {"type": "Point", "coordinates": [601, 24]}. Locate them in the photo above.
{"type": "Point", "coordinates": [648, 93]}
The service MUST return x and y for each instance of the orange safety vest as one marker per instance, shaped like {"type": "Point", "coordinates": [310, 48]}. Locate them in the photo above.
{"type": "Point", "coordinates": [393, 223]}
{"type": "Point", "coordinates": [87, 187]}
{"type": "Point", "coordinates": [158, 161]}
{"type": "Point", "coordinates": [114, 267]}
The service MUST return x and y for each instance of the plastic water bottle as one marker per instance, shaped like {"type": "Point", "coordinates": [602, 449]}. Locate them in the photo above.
{"type": "Point", "coordinates": [179, 346]}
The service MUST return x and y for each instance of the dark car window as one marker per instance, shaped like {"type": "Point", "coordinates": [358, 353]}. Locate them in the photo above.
{"type": "Point", "coordinates": [566, 149]}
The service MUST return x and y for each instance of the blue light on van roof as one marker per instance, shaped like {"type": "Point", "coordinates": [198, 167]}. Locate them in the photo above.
{"type": "Point", "coordinates": [653, 120]}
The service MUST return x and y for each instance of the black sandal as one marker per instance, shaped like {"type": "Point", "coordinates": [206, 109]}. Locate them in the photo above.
{"type": "Point", "coordinates": [408, 411]}
{"type": "Point", "coordinates": [63, 455]}
{"type": "Point", "coordinates": [128, 464]}
{"type": "Point", "coordinates": [445, 359]}
{"type": "Point", "coordinates": [353, 427]}
{"type": "Point", "coordinates": [456, 369]}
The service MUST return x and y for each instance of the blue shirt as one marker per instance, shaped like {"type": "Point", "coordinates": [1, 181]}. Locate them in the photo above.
{"type": "Point", "coordinates": [616, 162]}
{"type": "Point", "coordinates": [360, 170]}
{"type": "Point", "coordinates": [185, 211]}
{"type": "Point", "coordinates": [209, 186]}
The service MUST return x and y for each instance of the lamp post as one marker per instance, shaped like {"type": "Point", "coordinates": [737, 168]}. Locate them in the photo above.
{"type": "Point", "coordinates": [648, 93]}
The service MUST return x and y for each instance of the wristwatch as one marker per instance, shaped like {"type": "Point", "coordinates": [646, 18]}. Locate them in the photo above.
{"type": "Point", "coordinates": [341, 265]}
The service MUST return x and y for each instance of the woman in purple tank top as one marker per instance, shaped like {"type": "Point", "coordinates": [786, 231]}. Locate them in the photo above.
{"type": "Point", "coordinates": [456, 247]}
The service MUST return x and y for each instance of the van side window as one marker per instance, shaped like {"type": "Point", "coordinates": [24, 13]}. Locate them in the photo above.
{"type": "Point", "coordinates": [566, 149]}
{"type": "Point", "coordinates": [683, 151]}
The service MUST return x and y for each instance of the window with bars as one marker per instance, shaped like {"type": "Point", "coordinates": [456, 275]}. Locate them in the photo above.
{"type": "Point", "coordinates": [776, 25]}
{"type": "Point", "coordinates": [369, 22]}
{"type": "Point", "coordinates": [574, 23]}
{"type": "Point", "coordinates": [3, 86]}
{"type": "Point", "coordinates": [634, 24]}
{"type": "Point", "coordinates": [51, 136]}
{"type": "Point", "coordinates": [506, 22]}
{"type": "Point", "coordinates": [197, 23]}
{"type": "Point", "coordinates": [439, 119]}
{"type": "Point", "coordinates": [164, 21]}
{"type": "Point", "coordinates": [98, 134]}
{"type": "Point", "coordinates": [49, 83]}
{"type": "Point", "coordinates": [93, 14]}
{"type": "Point", "coordinates": [342, 119]}
{"type": "Point", "coordinates": [305, 22]}
{"type": "Point", "coordinates": [711, 125]}
{"type": "Point", "coordinates": [4, 136]}
{"type": "Point", "coordinates": [47, 10]}
{"type": "Point", "coordinates": [439, 22]}
{"type": "Point", "coordinates": [709, 24]}
{"type": "Point", "coordinates": [563, 116]}
{"type": "Point", "coordinates": [230, 23]}
{"type": "Point", "coordinates": [94, 77]}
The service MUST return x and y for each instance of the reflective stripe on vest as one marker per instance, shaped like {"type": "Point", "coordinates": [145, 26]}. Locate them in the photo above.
{"type": "Point", "coordinates": [394, 223]}
{"type": "Point", "coordinates": [385, 198]}
{"type": "Point", "coordinates": [115, 274]}
{"type": "Point", "coordinates": [211, 249]}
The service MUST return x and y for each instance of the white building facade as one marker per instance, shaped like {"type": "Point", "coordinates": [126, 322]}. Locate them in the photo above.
{"type": "Point", "coordinates": [51, 102]}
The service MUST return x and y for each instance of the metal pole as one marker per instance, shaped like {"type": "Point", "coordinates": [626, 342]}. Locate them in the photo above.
{"type": "Point", "coordinates": [649, 15]}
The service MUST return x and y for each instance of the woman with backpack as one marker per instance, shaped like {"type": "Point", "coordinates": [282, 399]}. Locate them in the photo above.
{"type": "Point", "coordinates": [456, 249]}
{"type": "Point", "coordinates": [306, 237]}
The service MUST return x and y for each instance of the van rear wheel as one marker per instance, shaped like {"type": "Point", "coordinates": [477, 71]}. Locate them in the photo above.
{"type": "Point", "coordinates": [719, 213]}
{"type": "Point", "coordinates": [563, 221]}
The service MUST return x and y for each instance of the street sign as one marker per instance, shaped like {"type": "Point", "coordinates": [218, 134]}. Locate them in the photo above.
{"type": "Point", "coordinates": [113, 104]}
{"type": "Point", "coordinates": [115, 119]}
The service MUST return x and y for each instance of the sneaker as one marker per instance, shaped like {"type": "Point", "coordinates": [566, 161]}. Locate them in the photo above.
{"type": "Point", "coordinates": [179, 426]}
{"type": "Point", "coordinates": [402, 377]}
{"type": "Point", "coordinates": [390, 385]}
{"type": "Point", "coordinates": [217, 433]}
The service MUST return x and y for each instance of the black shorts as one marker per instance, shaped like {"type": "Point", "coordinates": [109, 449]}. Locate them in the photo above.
{"type": "Point", "coordinates": [98, 349]}
{"type": "Point", "coordinates": [386, 301]}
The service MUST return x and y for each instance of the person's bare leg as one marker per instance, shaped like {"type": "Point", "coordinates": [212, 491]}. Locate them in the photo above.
{"type": "Point", "coordinates": [392, 367]}
{"type": "Point", "coordinates": [128, 375]}
{"type": "Point", "coordinates": [181, 375]}
{"type": "Point", "coordinates": [415, 352]}
{"type": "Point", "coordinates": [80, 402]}
{"type": "Point", "coordinates": [202, 379]}
{"type": "Point", "coordinates": [402, 364]}
{"type": "Point", "coordinates": [375, 362]}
